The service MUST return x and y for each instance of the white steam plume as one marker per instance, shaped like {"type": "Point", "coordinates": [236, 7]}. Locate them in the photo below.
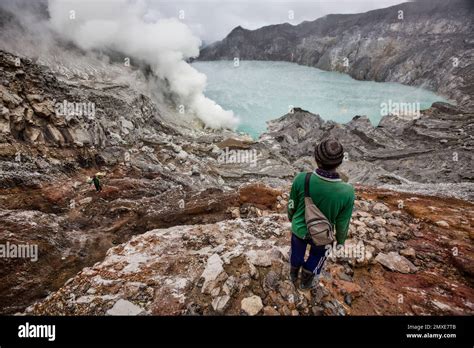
{"type": "Point", "coordinates": [126, 26]}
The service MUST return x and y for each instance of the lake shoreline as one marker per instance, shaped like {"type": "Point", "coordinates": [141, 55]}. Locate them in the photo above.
{"type": "Point", "coordinates": [259, 91]}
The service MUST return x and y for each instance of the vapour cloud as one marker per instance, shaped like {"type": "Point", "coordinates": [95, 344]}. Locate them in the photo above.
{"type": "Point", "coordinates": [130, 28]}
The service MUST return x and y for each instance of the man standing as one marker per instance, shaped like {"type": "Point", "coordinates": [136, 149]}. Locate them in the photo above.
{"type": "Point", "coordinates": [333, 197]}
{"type": "Point", "coordinates": [95, 180]}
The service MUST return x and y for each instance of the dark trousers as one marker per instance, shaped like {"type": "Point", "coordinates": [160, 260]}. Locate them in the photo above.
{"type": "Point", "coordinates": [316, 257]}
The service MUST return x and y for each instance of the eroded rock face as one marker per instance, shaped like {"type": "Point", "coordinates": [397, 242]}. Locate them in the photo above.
{"type": "Point", "coordinates": [44, 110]}
{"type": "Point", "coordinates": [415, 46]}
{"type": "Point", "coordinates": [409, 156]}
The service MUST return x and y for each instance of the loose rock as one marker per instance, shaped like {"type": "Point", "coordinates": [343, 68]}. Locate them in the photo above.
{"type": "Point", "coordinates": [252, 305]}
{"type": "Point", "coordinates": [396, 262]}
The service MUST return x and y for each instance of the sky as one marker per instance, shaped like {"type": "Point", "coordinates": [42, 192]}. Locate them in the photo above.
{"type": "Point", "coordinates": [212, 20]}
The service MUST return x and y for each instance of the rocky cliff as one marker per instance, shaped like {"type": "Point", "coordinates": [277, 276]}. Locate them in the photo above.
{"type": "Point", "coordinates": [422, 43]}
{"type": "Point", "coordinates": [430, 154]}
{"type": "Point", "coordinates": [159, 174]}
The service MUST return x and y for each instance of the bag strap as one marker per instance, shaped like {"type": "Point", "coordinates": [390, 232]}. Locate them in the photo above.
{"type": "Point", "coordinates": [306, 184]}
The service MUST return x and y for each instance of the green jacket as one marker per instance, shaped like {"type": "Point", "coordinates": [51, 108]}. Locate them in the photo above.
{"type": "Point", "coordinates": [333, 197]}
{"type": "Point", "coordinates": [94, 181]}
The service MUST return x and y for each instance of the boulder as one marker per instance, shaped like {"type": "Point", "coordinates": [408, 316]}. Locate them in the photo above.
{"type": "Point", "coordinates": [396, 262]}
{"type": "Point", "coordinates": [124, 307]}
{"type": "Point", "coordinates": [213, 273]}
{"type": "Point", "coordinates": [219, 304]}
{"type": "Point", "coordinates": [4, 127]}
{"type": "Point", "coordinates": [369, 252]}
{"type": "Point", "coordinates": [17, 114]}
{"type": "Point", "coordinates": [55, 134]}
{"type": "Point", "coordinates": [380, 208]}
{"type": "Point", "coordinates": [234, 212]}
{"type": "Point", "coordinates": [30, 119]}
{"type": "Point", "coordinates": [4, 112]}
{"type": "Point", "coordinates": [80, 135]}
{"type": "Point", "coordinates": [229, 286]}
{"type": "Point", "coordinates": [408, 252]}
{"type": "Point", "coordinates": [86, 200]}
{"type": "Point", "coordinates": [32, 98]}
{"type": "Point", "coordinates": [395, 222]}
{"type": "Point", "coordinates": [271, 280]}
{"type": "Point", "coordinates": [252, 305]}
{"type": "Point", "coordinates": [126, 125]}
{"type": "Point", "coordinates": [442, 223]}
{"type": "Point", "coordinates": [359, 223]}
{"type": "Point", "coordinates": [33, 134]}
{"type": "Point", "coordinates": [44, 109]}
{"type": "Point", "coordinates": [379, 222]}
{"type": "Point", "coordinates": [259, 258]}
{"type": "Point", "coordinates": [9, 98]}
{"type": "Point", "coordinates": [378, 245]}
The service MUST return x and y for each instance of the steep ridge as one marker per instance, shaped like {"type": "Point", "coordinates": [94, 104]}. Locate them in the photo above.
{"type": "Point", "coordinates": [423, 43]}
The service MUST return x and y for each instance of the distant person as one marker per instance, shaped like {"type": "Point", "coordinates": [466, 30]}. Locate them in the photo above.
{"type": "Point", "coordinates": [95, 180]}
{"type": "Point", "coordinates": [335, 200]}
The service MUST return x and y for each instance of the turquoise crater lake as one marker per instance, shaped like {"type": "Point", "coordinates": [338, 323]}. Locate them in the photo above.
{"type": "Point", "coordinates": [258, 91]}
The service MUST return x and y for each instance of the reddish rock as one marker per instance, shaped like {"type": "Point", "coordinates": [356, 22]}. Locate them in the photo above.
{"type": "Point", "coordinates": [260, 195]}
{"type": "Point", "coordinates": [463, 260]}
{"type": "Point", "coordinates": [270, 311]}
{"type": "Point", "coordinates": [346, 287]}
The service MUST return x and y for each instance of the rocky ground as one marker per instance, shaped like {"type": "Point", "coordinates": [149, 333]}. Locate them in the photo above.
{"type": "Point", "coordinates": [178, 231]}
{"type": "Point", "coordinates": [405, 265]}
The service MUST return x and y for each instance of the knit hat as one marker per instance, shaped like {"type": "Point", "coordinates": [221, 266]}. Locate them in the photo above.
{"type": "Point", "coordinates": [329, 153]}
